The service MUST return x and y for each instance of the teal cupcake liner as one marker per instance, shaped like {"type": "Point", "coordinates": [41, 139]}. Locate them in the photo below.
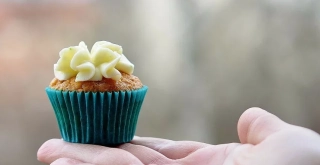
{"type": "Point", "coordinates": [101, 118]}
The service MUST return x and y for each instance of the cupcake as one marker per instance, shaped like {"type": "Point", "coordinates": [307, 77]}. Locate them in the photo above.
{"type": "Point", "coordinates": [94, 95]}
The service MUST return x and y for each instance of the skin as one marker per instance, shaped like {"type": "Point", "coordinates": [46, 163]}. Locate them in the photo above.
{"type": "Point", "coordinates": [265, 140]}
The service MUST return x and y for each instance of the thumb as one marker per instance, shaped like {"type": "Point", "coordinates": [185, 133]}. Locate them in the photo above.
{"type": "Point", "coordinates": [256, 124]}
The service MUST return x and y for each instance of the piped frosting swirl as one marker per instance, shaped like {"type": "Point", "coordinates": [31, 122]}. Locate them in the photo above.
{"type": "Point", "coordinates": [105, 60]}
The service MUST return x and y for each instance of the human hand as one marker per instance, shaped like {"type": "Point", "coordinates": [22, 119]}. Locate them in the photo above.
{"type": "Point", "coordinates": [265, 140]}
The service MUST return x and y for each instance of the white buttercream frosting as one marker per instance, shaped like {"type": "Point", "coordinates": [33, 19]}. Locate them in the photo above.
{"type": "Point", "coordinates": [105, 60]}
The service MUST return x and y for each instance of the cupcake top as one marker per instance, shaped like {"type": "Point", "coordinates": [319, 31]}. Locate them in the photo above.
{"type": "Point", "coordinates": [104, 68]}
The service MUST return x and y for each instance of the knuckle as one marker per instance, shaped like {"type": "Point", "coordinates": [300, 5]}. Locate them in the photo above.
{"type": "Point", "coordinates": [47, 149]}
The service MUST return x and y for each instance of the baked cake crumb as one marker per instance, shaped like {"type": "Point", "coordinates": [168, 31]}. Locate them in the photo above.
{"type": "Point", "coordinates": [127, 82]}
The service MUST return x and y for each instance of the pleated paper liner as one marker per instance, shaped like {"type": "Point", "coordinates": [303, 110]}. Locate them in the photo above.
{"type": "Point", "coordinates": [102, 118]}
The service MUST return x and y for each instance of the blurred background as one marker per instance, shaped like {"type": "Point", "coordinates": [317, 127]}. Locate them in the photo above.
{"type": "Point", "coordinates": [205, 63]}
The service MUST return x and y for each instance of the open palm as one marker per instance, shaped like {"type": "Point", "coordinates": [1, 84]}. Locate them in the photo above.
{"type": "Point", "coordinates": [265, 140]}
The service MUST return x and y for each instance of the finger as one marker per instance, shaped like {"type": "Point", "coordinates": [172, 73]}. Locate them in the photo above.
{"type": "Point", "coordinates": [68, 161]}
{"type": "Point", "coordinates": [56, 148]}
{"type": "Point", "coordinates": [170, 149]}
{"type": "Point", "coordinates": [146, 155]}
{"type": "Point", "coordinates": [212, 154]}
{"type": "Point", "coordinates": [256, 124]}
